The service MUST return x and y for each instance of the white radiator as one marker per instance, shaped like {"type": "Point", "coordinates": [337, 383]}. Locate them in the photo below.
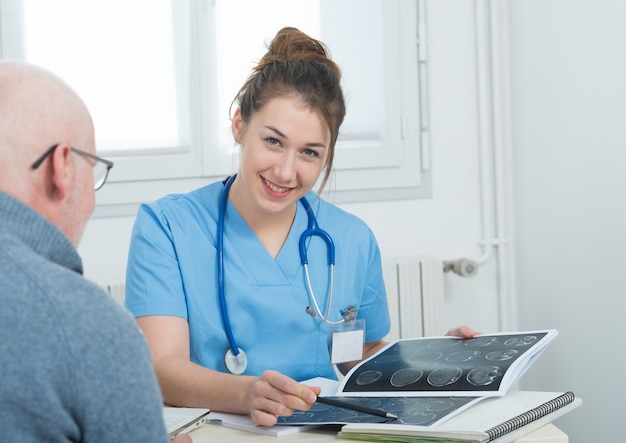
{"type": "Point", "coordinates": [415, 296]}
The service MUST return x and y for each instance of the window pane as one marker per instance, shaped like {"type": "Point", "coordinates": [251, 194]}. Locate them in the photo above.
{"type": "Point", "coordinates": [242, 39]}
{"type": "Point", "coordinates": [239, 53]}
{"type": "Point", "coordinates": [353, 30]}
{"type": "Point", "coordinates": [119, 56]}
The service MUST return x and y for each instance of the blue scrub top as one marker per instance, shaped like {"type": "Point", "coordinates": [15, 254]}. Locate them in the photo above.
{"type": "Point", "coordinates": [172, 270]}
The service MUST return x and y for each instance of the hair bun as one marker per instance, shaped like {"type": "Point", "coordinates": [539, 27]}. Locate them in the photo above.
{"type": "Point", "coordinates": [291, 44]}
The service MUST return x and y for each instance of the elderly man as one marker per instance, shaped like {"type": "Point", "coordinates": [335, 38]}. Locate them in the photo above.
{"type": "Point", "coordinates": [73, 364]}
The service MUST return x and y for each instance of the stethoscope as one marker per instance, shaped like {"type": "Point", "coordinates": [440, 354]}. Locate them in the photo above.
{"type": "Point", "coordinates": [235, 359]}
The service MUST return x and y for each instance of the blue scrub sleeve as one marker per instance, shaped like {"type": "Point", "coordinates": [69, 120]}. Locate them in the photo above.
{"type": "Point", "coordinates": [153, 277]}
{"type": "Point", "coordinates": [374, 306]}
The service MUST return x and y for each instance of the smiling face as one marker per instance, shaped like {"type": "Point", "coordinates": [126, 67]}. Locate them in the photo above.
{"type": "Point", "coordinates": [284, 149]}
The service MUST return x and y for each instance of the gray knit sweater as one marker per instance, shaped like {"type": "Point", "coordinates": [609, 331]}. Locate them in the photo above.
{"type": "Point", "coordinates": [74, 367]}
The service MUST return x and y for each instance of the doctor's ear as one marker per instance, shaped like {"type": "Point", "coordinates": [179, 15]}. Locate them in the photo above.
{"type": "Point", "coordinates": [237, 126]}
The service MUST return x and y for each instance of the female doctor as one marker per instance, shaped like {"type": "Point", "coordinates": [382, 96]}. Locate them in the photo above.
{"type": "Point", "coordinates": [239, 286]}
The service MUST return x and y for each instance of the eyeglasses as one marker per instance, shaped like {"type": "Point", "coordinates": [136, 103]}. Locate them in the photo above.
{"type": "Point", "coordinates": [101, 167]}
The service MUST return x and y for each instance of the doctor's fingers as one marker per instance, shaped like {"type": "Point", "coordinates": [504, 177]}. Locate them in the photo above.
{"type": "Point", "coordinates": [265, 411]}
{"type": "Point", "coordinates": [287, 388]}
{"type": "Point", "coordinates": [278, 395]}
{"type": "Point", "coordinates": [263, 418]}
{"type": "Point", "coordinates": [265, 405]}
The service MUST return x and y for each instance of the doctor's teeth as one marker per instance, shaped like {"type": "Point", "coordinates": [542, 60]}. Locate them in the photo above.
{"type": "Point", "coordinates": [275, 188]}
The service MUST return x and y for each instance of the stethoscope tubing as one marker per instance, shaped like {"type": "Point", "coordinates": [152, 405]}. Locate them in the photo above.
{"type": "Point", "coordinates": [313, 229]}
{"type": "Point", "coordinates": [220, 266]}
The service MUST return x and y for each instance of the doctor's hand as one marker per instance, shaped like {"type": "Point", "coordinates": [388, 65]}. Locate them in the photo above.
{"type": "Point", "coordinates": [275, 394]}
{"type": "Point", "coordinates": [463, 332]}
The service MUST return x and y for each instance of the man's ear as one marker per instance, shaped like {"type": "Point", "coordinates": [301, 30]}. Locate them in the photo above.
{"type": "Point", "coordinates": [237, 126]}
{"type": "Point", "coordinates": [63, 170]}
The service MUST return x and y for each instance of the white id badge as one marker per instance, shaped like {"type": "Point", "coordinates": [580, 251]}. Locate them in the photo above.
{"type": "Point", "coordinates": [347, 340]}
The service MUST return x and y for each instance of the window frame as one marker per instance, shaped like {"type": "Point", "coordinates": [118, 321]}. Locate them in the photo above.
{"type": "Point", "coordinates": [395, 168]}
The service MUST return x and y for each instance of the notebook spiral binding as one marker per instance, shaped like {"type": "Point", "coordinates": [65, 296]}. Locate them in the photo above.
{"type": "Point", "coordinates": [530, 416]}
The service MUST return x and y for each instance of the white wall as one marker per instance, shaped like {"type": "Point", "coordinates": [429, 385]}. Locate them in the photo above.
{"type": "Point", "coordinates": [569, 136]}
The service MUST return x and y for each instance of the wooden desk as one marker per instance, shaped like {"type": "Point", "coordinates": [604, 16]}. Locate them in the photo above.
{"type": "Point", "coordinates": [216, 433]}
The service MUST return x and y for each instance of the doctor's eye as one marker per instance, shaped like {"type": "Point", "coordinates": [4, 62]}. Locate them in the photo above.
{"type": "Point", "coordinates": [311, 153]}
{"type": "Point", "coordinates": [272, 141]}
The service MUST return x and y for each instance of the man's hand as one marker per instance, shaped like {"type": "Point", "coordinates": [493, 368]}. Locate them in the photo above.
{"type": "Point", "coordinates": [182, 438]}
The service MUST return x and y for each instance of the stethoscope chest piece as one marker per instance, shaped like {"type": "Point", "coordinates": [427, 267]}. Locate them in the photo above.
{"type": "Point", "coordinates": [236, 364]}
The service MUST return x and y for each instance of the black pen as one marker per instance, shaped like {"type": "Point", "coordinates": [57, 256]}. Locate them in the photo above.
{"type": "Point", "coordinates": [355, 407]}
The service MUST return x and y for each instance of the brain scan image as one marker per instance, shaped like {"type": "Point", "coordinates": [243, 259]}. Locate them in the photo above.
{"type": "Point", "coordinates": [502, 355]}
{"type": "Point", "coordinates": [521, 341]}
{"type": "Point", "coordinates": [423, 356]}
{"type": "Point", "coordinates": [372, 402]}
{"type": "Point", "coordinates": [484, 376]}
{"type": "Point", "coordinates": [368, 377]}
{"type": "Point", "coordinates": [417, 418]}
{"type": "Point", "coordinates": [465, 355]}
{"type": "Point", "coordinates": [443, 344]}
{"type": "Point", "coordinates": [333, 414]}
{"type": "Point", "coordinates": [387, 359]}
{"type": "Point", "coordinates": [444, 376]}
{"type": "Point", "coordinates": [319, 407]}
{"type": "Point", "coordinates": [440, 405]}
{"type": "Point", "coordinates": [481, 341]}
{"type": "Point", "coordinates": [405, 377]}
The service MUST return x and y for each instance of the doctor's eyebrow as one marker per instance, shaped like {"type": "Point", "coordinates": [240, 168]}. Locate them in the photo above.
{"type": "Point", "coordinates": [309, 145]}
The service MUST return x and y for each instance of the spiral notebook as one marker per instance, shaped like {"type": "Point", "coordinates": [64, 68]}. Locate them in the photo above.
{"type": "Point", "coordinates": [497, 419]}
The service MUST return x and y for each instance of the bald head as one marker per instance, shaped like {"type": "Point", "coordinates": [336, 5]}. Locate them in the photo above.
{"type": "Point", "coordinates": [37, 110]}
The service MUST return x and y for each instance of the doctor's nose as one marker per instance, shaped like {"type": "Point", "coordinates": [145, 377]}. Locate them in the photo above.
{"type": "Point", "coordinates": [286, 168]}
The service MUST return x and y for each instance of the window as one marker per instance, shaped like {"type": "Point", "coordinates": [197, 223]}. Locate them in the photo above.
{"type": "Point", "coordinates": [110, 71]}
{"type": "Point", "coordinates": [159, 76]}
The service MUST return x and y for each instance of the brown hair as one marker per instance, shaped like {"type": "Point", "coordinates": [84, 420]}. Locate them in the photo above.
{"type": "Point", "coordinates": [296, 64]}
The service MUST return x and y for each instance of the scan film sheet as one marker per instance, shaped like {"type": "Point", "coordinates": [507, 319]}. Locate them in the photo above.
{"type": "Point", "coordinates": [484, 366]}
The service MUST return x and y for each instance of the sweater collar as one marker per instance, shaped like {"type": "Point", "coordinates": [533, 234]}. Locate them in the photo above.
{"type": "Point", "coordinates": [38, 233]}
